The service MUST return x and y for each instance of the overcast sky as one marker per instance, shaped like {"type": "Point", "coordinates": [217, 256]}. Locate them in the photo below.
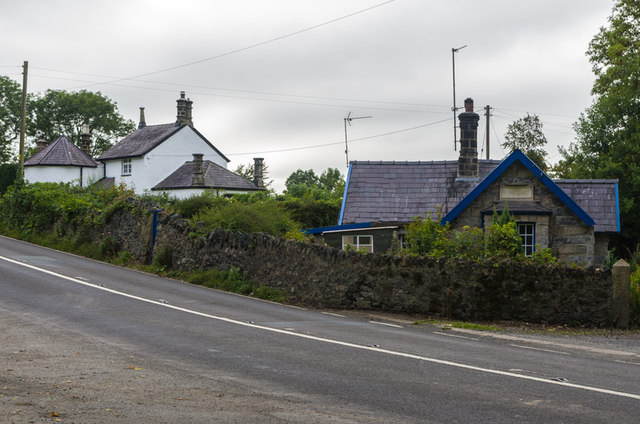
{"type": "Point", "coordinates": [276, 78]}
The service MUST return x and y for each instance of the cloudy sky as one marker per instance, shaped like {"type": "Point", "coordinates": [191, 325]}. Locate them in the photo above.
{"type": "Point", "coordinates": [276, 78]}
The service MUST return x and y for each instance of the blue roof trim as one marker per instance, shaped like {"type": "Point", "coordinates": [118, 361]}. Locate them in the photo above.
{"type": "Point", "coordinates": [344, 195]}
{"type": "Point", "coordinates": [617, 209]}
{"type": "Point", "coordinates": [319, 230]}
{"type": "Point", "coordinates": [517, 155]}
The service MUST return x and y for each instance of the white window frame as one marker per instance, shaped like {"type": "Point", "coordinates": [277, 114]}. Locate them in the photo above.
{"type": "Point", "coordinates": [126, 166]}
{"type": "Point", "coordinates": [358, 245]}
{"type": "Point", "coordinates": [527, 232]}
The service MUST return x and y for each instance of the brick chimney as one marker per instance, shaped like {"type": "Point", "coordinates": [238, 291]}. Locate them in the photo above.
{"type": "Point", "coordinates": [143, 122]}
{"type": "Point", "coordinates": [41, 143]}
{"type": "Point", "coordinates": [258, 172]}
{"type": "Point", "coordinates": [85, 140]}
{"type": "Point", "coordinates": [184, 111]}
{"type": "Point", "coordinates": [468, 159]}
{"type": "Point", "coordinates": [198, 177]}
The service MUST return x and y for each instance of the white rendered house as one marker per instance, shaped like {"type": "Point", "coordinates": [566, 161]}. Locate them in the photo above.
{"type": "Point", "coordinates": [145, 159]}
{"type": "Point", "coordinates": [62, 162]}
{"type": "Point", "coordinates": [172, 158]}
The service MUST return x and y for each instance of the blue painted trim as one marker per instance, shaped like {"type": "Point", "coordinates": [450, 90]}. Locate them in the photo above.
{"type": "Point", "coordinates": [344, 195]}
{"type": "Point", "coordinates": [517, 155]}
{"type": "Point", "coordinates": [319, 230]}
{"type": "Point", "coordinates": [617, 209]}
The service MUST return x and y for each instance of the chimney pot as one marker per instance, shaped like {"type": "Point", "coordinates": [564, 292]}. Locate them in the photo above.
{"type": "Point", "coordinates": [184, 108]}
{"type": "Point", "coordinates": [468, 159]}
{"type": "Point", "coordinates": [41, 143]}
{"type": "Point", "coordinates": [142, 122]}
{"type": "Point", "coordinates": [198, 176]}
{"type": "Point", "coordinates": [258, 172]}
{"type": "Point", "coordinates": [85, 140]}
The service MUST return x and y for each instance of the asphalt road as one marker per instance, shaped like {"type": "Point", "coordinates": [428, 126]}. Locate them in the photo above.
{"type": "Point", "coordinates": [310, 366]}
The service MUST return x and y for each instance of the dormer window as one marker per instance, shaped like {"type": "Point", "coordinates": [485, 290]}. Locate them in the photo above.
{"type": "Point", "coordinates": [126, 166]}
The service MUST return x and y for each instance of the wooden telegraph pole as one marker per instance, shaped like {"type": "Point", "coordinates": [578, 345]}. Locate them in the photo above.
{"type": "Point", "coordinates": [23, 113]}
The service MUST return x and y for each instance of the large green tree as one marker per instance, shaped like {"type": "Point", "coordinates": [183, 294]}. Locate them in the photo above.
{"type": "Point", "coordinates": [608, 132]}
{"type": "Point", "coordinates": [10, 106]}
{"type": "Point", "coordinates": [59, 112]}
{"type": "Point", "coordinates": [526, 134]}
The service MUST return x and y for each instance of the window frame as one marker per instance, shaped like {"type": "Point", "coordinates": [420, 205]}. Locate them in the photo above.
{"type": "Point", "coordinates": [358, 245]}
{"type": "Point", "coordinates": [126, 167]}
{"type": "Point", "coordinates": [529, 249]}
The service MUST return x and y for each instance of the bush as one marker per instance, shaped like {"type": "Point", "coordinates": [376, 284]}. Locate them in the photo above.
{"type": "Point", "coordinates": [426, 237]}
{"type": "Point", "coordinates": [265, 216]}
{"type": "Point", "coordinates": [503, 242]}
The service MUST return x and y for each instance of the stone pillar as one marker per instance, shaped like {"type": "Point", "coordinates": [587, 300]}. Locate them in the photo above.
{"type": "Point", "coordinates": [621, 272]}
{"type": "Point", "coordinates": [468, 159]}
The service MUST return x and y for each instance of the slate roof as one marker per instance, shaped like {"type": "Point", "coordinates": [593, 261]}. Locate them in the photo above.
{"type": "Point", "coordinates": [145, 139]}
{"type": "Point", "coordinates": [399, 191]}
{"type": "Point", "coordinates": [215, 177]}
{"type": "Point", "coordinates": [61, 152]}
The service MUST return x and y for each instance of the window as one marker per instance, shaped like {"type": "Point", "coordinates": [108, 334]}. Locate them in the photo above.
{"type": "Point", "coordinates": [527, 233]}
{"type": "Point", "coordinates": [360, 243]}
{"type": "Point", "coordinates": [126, 166]}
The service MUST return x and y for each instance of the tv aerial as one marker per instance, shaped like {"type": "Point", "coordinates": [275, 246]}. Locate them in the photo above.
{"type": "Point", "coordinates": [348, 120]}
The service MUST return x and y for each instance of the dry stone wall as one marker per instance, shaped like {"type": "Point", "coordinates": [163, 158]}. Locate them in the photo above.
{"type": "Point", "coordinates": [320, 276]}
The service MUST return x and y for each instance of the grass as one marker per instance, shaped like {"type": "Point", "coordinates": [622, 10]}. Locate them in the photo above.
{"type": "Point", "coordinates": [459, 324]}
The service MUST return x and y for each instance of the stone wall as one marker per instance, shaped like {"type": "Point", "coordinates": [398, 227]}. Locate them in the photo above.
{"type": "Point", "coordinates": [325, 277]}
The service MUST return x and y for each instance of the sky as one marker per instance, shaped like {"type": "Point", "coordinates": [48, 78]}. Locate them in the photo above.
{"type": "Point", "coordinates": [277, 78]}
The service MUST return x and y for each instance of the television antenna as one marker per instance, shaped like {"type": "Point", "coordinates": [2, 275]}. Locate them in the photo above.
{"type": "Point", "coordinates": [348, 120]}
{"type": "Point", "coordinates": [454, 108]}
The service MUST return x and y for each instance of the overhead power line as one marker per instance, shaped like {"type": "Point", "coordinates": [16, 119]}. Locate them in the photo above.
{"type": "Point", "coordinates": [252, 46]}
{"type": "Point", "coordinates": [340, 142]}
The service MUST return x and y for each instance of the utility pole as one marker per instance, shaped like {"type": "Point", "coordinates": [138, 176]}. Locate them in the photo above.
{"type": "Point", "coordinates": [348, 120]}
{"type": "Point", "coordinates": [23, 113]}
{"type": "Point", "coordinates": [487, 113]}
{"type": "Point", "coordinates": [454, 108]}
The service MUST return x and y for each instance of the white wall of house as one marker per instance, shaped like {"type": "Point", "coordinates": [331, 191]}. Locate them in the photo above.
{"type": "Point", "coordinates": [156, 165]}
{"type": "Point", "coordinates": [62, 174]}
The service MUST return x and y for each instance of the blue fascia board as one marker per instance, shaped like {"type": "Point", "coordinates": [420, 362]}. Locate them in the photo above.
{"type": "Point", "coordinates": [617, 209]}
{"type": "Point", "coordinates": [344, 195]}
{"type": "Point", "coordinates": [319, 230]}
{"type": "Point", "coordinates": [517, 155]}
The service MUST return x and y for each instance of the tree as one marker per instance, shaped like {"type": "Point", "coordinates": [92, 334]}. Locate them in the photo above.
{"type": "Point", "coordinates": [526, 134]}
{"type": "Point", "coordinates": [330, 184]}
{"type": "Point", "coordinates": [58, 112]}
{"type": "Point", "coordinates": [10, 107]}
{"type": "Point", "coordinates": [608, 132]}
{"type": "Point", "coordinates": [314, 201]}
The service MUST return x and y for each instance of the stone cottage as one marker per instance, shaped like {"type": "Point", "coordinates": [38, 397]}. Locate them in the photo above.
{"type": "Point", "coordinates": [575, 218]}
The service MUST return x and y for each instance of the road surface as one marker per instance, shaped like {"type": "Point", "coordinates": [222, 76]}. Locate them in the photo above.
{"type": "Point", "coordinates": [89, 342]}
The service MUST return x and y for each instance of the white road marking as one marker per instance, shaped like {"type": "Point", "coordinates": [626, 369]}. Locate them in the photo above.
{"type": "Point", "coordinates": [333, 314]}
{"type": "Point", "coordinates": [627, 362]}
{"type": "Point", "coordinates": [540, 349]}
{"type": "Point", "coordinates": [331, 341]}
{"type": "Point", "coordinates": [455, 335]}
{"type": "Point", "coordinates": [385, 323]}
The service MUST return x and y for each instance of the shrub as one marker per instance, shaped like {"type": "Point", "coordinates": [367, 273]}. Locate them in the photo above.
{"type": "Point", "coordinates": [503, 242]}
{"type": "Point", "coordinates": [426, 237]}
{"type": "Point", "coordinates": [265, 216]}
{"type": "Point", "coordinates": [467, 243]}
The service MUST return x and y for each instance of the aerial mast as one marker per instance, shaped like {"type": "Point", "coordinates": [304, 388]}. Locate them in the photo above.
{"type": "Point", "coordinates": [454, 108]}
